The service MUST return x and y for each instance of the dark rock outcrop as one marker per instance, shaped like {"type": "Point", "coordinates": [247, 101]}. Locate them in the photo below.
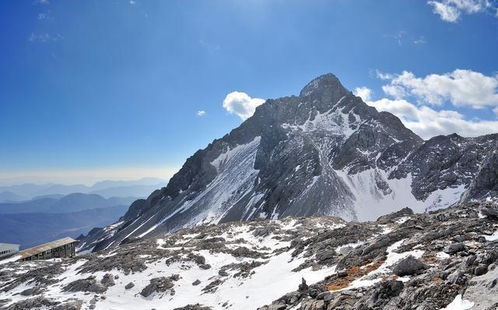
{"type": "Point", "coordinates": [85, 285]}
{"type": "Point", "coordinates": [159, 285]}
{"type": "Point", "coordinates": [408, 267]}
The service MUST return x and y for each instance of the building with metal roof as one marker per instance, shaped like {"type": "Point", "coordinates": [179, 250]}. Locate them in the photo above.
{"type": "Point", "coordinates": [65, 247]}
{"type": "Point", "coordinates": [8, 249]}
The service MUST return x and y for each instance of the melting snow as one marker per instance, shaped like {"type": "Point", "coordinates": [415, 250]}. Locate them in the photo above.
{"type": "Point", "coordinates": [392, 258]}
{"type": "Point", "coordinates": [493, 237]}
{"type": "Point", "coordinates": [371, 202]}
{"type": "Point", "coordinates": [459, 304]}
{"type": "Point", "coordinates": [10, 259]}
{"type": "Point", "coordinates": [442, 255]}
{"type": "Point", "coordinates": [403, 219]}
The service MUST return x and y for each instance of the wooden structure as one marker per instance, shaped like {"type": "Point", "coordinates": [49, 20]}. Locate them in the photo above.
{"type": "Point", "coordinates": [8, 249]}
{"type": "Point", "coordinates": [65, 247]}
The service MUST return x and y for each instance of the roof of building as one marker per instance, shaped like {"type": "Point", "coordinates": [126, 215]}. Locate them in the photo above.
{"type": "Point", "coordinates": [45, 247]}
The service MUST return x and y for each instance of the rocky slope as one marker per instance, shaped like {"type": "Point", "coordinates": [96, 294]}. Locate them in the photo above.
{"type": "Point", "coordinates": [324, 152]}
{"type": "Point", "coordinates": [401, 261]}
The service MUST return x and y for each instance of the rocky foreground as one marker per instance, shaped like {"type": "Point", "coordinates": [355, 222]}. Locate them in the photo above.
{"type": "Point", "coordinates": [446, 259]}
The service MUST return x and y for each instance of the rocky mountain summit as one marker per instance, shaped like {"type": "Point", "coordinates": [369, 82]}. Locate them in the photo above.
{"type": "Point", "coordinates": [324, 152]}
{"type": "Point", "coordinates": [444, 259]}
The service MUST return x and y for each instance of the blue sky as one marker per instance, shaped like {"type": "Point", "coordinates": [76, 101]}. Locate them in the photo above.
{"type": "Point", "coordinates": [109, 89]}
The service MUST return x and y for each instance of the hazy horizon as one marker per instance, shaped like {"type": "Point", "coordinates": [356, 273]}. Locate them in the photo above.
{"type": "Point", "coordinates": [70, 181]}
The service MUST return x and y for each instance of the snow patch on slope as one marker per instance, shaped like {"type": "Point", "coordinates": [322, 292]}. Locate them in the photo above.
{"type": "Point", "coordinates": [392, 258]}
{"type": "Point", "coordinates": [269, 281]}
{"type": "Point", "coordinates": [459, 304]}
{"type": "Point", "coordinates": [10, 259]}
{"type": "Point", "coordinates": [223, 160]}
{"type": "Point", "coordinates": [372, 202]}
{"type": "Point", "coordinates": [493, 237]}
{"type": "Point", "coordinates": [332, 121]}
{"type": "Point", "coordinates": [235, 179]}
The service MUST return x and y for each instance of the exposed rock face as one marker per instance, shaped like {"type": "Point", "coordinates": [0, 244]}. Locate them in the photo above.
{"type": "Point", "coordinates": [408, 267]}
{"type": "Point", "coordinates": [193, 307]}
{"type": "Point", "coordinates": [451, 161]}
{"type": "Point", "coordinates": [42, 303]}
{"type": "Point", "coordinates": [395, 215]}
{"type": "Point", "coordinates": [403, 261]}
{"type": "Point", "coordinates": [159, 285]}
{"type": "Point", "coordinates": [85, 285]}
{"type": "Point", "coordinates": [107, 280]}
{"type": "Point", "coordinates": [485, 183]}
{"type": "Point", "coordinates": [324, 152]}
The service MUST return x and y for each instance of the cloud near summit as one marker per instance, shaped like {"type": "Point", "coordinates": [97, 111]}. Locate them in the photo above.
{"type": "Point", "coordinates": [460, 88]}
{"type": "Point", "coordinates": [434, 95]}
{"type": "Point", "coordinates": [241, 104]}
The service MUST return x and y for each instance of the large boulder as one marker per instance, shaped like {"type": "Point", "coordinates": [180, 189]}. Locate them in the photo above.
{"type": "Point", "coordinates": [85, 285]}
{"type": "Point", "coordinates": [161, 284]}
{"type": "Point", "coordinates": [387, 290]}
{"type": "Point", "coordinates": [193, 307]}
{"type": "Point", "coordinates": [395, 215]}
{"type": "Point", "coordinates": [490, 212]}
{"type": "Point", "coordinates": [408, 267]}
{"type": "Point", "coordinates": [107, 280]}
{"type": "Point", "coordinates": [455, 248]}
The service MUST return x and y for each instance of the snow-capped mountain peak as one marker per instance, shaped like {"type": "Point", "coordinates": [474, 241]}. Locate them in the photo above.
{"type": "Point", "coordinates": [324, 152]}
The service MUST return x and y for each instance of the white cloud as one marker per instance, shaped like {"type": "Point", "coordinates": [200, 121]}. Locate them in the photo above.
{"type": "Point", "coordinates": [399, 107]}
{"type": "Point", "coordinates": [460, 88]}
{"type": "Point", "coordinates": [446, 12]}
{"type": "Point", "coordinates": [394, 90]}
{"type": "Point", "coordinates": [420, 40]}
{"type": "Point", "coordinates": [364, 93]}
{"type": "Point", "coordinates": [132, 2]}
{"type": "Point", "coordinates": [44, 37]}
{"type": "Point", "coordinates": [42, 16]}
{"type": "Point", "coordinates": [427, 122]}
{"type": "Point", "coordinates": [403, 38]}
{"type": "Point", "coordinates": [451, 10]}
{"type": "Point", "coordinates": [383, 75]}
{"type": "Point", "coordinates": [241, 104]}
{"type": "Point", "coordinates": [201, 113]}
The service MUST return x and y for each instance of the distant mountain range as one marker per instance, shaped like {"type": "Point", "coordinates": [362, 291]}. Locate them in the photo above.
{"type": "Point", "coordinates": [54, 216]}
{"type": "Point", "coordinates": [66, 204]}
{"type": "Point", "coordinates": [136, 188]}
{"type": "Point", "coordinates": [29, 229]}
